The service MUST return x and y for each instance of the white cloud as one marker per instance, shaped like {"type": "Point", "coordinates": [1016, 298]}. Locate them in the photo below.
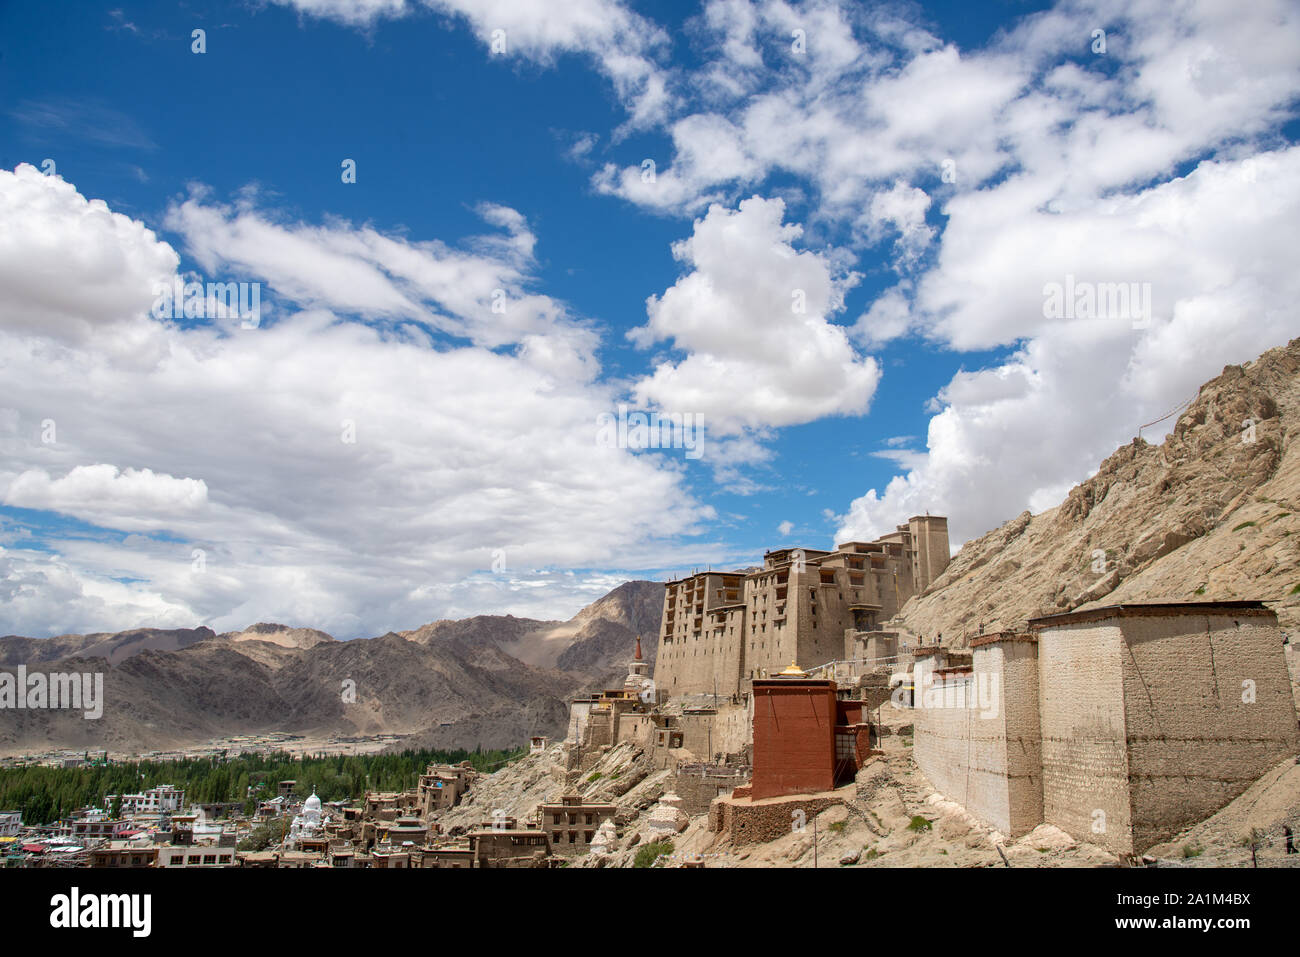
{"type": "Point", "coordinates": [752, 316]}
{"type": "Point", "coordinates": [1044, 160]}
{"type": "Point", "coordinates": [94, 268]}
{"type": "Point", "coordinates": [133, 499]}
{"type": "Point", "coordinates": [233, 440]}
{"type": "Point", "coordinates": [901, 209]}
{"type": "Point", "coordinates": [43, 594]}
{"type": "Point", "coordinates": [1213, 245]}
{"type": "Point", "coordinates": [352, 12]}
{"type": "Point", "coordinates": [481, 294]}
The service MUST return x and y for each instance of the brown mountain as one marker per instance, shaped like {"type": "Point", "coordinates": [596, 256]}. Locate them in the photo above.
{"type": "Point", "coordinates": [16, 650]}
{"type": "Point", "coordinates": [489, 680]}
{"type": "Point", "coordinates": [597, 642]}
{"type": "Point", "coordinates": [1211, 513]}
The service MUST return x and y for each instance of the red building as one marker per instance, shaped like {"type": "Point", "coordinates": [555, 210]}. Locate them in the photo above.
{"type": "Point", "coordinates": [804, 739]}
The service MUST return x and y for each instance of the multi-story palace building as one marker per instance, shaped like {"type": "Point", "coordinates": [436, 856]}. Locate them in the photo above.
{"type": "Point", "coordinates": [720, 630]}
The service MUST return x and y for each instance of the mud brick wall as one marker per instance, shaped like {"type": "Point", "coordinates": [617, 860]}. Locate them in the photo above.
{"type": "Point", "coordinates": [984, 754]}
{"type": "Point", "coordinates": [1208, 709]}
{"type": "Point", "coordinates": [1085, 753]}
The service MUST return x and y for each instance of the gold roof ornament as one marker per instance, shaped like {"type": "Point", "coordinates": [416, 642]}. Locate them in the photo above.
{"type": "Point", "coordinates": [794, 671]}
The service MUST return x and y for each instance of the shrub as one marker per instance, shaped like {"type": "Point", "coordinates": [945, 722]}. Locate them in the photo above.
{"type": "Point", "coordinates": [649, 855]}
{"type": "Point", "coordinates": [264, 835]}
{"type": "Point", "coordinates": [919, 823]}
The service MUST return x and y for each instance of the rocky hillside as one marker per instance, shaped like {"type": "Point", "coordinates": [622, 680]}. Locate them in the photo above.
{"type": "Point", "coordinates": [609, 628]}
{"type": "Point", "coordinates": [597, 642]}
{"type": "Point", "coordinates": [489, 680]}
{"type": "Point", "coordinates": [1211, 513]}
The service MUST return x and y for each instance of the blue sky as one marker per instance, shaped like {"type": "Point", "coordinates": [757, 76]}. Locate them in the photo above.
{"type": "Point", "coordinates": [927, 376]}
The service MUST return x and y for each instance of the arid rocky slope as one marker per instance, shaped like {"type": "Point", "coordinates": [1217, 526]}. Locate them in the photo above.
{"type": "Point", "coordinates": [596, 642]}
{"type": "Point", "coordinates": [1211, 513]}
{"type": "Point", "coordinates": [481, 681]}
{"type": "Point", "coordinates": [17, 650]}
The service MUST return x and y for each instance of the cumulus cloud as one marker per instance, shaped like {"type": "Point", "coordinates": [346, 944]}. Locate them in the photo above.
{"type": "Point", "coordinates": [900, 210]}
{"type": "Point", "coordinates": [858, 101]}
{"type": "Point", "coordinates": [996, 171]}
{"type": "Point", "coordinates": [76, 265]}
{"type": "Point", "coordinates": [352, 476]}
{"type": "Point", "coordinates": [134, 499]}
{"type": "Point", "coordinates": [42, 594]}
{"type": "Point", "coordinates": [753, 317]}
{"type": "Point", "coordinates": [1211, 245]}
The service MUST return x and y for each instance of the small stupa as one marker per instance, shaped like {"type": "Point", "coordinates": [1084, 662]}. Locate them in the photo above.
{"type": "Point", "coordinates": [667, 817]}
{"type": "Point", "coordinates": [604, 842]}
{"type": "Point", "coordinates": [638, 680]}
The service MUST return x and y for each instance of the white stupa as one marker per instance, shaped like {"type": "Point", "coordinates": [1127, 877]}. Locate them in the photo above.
{"type": "Point", "coordinates": [667, 816]}
{"type": "Point", "coordinates": [604, 841]}
{"type": "Point", "coordinates": [638, 680]}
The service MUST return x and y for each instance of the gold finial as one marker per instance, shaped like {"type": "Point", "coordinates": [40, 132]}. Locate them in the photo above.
{"type": "Point", "coordinates": [794, 671]}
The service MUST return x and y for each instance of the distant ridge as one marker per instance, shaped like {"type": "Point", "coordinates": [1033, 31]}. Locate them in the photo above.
{"type": "Point", "coordinates": [489, 680]}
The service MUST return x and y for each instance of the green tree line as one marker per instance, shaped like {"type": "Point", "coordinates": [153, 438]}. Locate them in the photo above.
{"type": "Point", "coordinates": [46, 794]}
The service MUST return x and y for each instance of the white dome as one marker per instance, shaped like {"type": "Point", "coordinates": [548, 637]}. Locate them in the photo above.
{"type": "Point", "coordinates": [312, 803]}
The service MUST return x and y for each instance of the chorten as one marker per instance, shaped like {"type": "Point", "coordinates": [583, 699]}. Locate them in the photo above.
{"type": "Point", "coordinates": [605, 839]}
{"type": "Point", "coordinates": [667, 817]}
{"type": "Point", "coordinates": [638, 680]}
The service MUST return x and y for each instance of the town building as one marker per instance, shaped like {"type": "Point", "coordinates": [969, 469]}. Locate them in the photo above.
{"type": "Point", "coordinates": [510, 847]}
{"type": "Point", "coordinates": [123, 854]}
{"type": "Point", "coordinates": [616, 715]}
{"type": "Point", "coordinates": [306, 826]}
{"type": "Point", "coordinates": [571, 824]}
{"type": "Point", "coordinates": [442, 786]}
{"type": "Point", "coordinates": [808, 745]}
{"type": "Point", "coordinates": [805, 739]}
{"type": "Point", "coordinates": [11, 823]}
{"type": "Point", "coordinates": [159, 800]}
{"type": "Point", "coordinates": [198, 856]}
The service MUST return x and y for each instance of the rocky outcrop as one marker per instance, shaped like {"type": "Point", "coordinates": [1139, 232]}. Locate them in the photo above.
{"type": "Point", "coordinates": [1211, 513]}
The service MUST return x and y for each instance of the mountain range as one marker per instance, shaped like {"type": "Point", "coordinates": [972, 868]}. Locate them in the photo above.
{"type": "Point", "coordinates": [488, 680]}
